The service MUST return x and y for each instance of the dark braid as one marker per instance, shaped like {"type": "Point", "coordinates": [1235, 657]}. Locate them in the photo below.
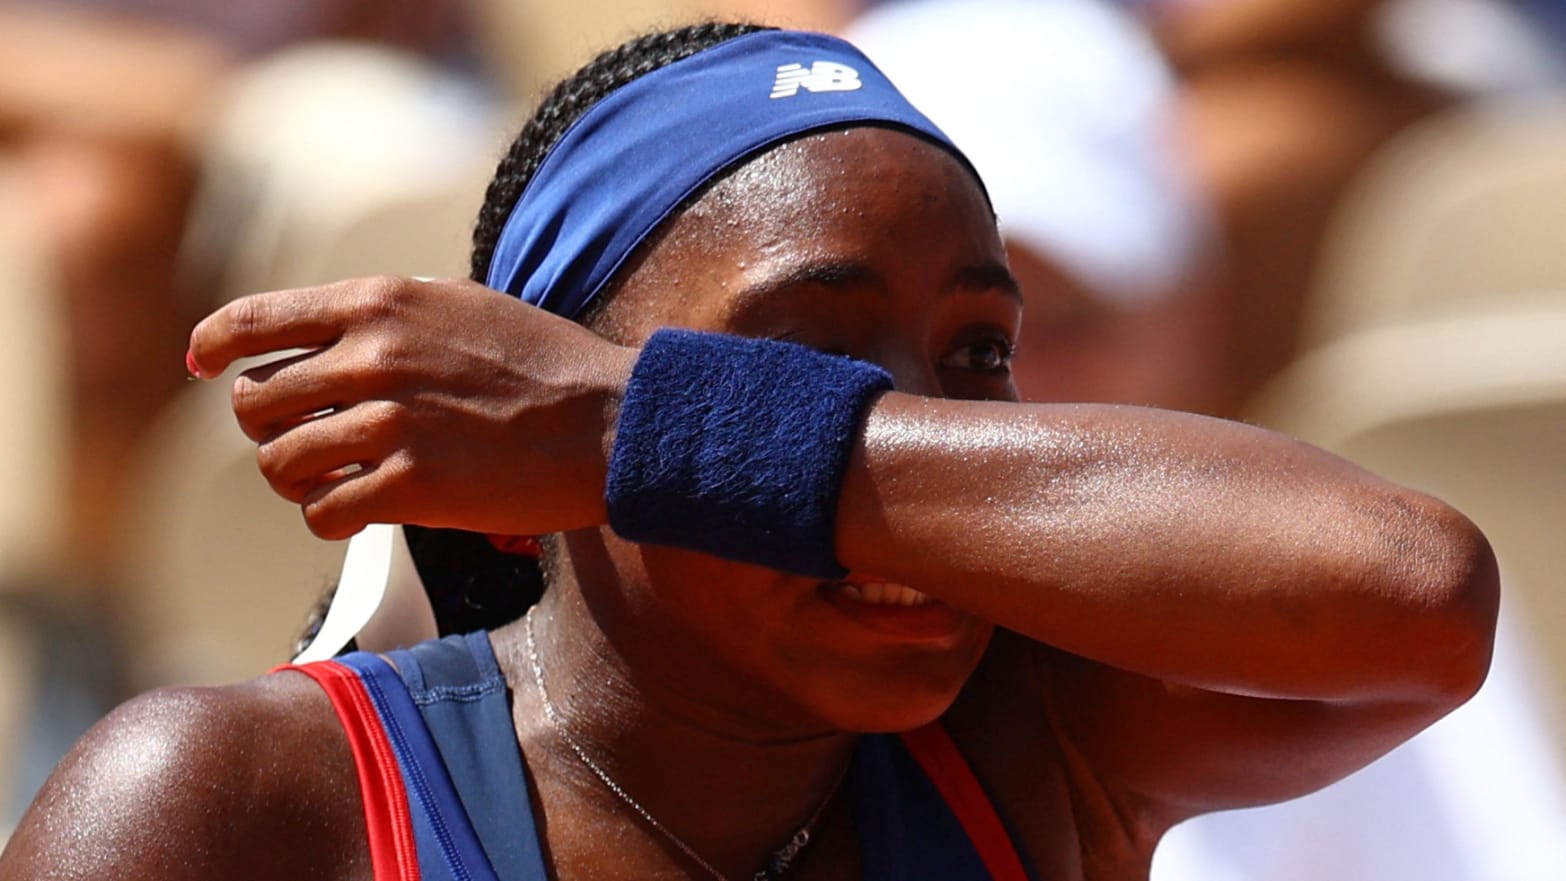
{"type": "Point", "coordinates": [567, 102]}
{"type": "Point", "coordinates": [472, 585]}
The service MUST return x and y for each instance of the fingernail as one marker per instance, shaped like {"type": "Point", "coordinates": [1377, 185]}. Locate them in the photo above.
{"type": "Point", "coordinates": [190, 364]}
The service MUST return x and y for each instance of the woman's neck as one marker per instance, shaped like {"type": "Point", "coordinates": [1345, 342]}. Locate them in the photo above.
{"type": "Point", "coordinates": [728, 774]}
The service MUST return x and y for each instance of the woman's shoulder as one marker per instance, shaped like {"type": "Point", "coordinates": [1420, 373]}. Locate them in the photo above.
{"type": "Point", "coordinates": [200, 783]}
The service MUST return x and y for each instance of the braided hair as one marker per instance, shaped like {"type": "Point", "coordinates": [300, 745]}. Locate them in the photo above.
{"type": "Point", "coordinates": [472, 585]}
{"type": "Point", "coordinates": [566, 103]}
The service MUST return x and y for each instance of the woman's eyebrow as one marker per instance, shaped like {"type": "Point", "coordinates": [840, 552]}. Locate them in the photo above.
{"type": "Point", "coordinates": [987, 277]}
{"type": "Point", "coordinates": [858, 276]}
{"type": "Point", "coordinates": [830, 274]}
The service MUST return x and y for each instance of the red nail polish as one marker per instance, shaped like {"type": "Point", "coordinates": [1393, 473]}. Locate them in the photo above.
{"type": "Point", "coordinates": [190, 364]}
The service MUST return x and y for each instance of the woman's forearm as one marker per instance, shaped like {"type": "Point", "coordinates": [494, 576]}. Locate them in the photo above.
{"type": "Point", "coordinates": [1203, 552]}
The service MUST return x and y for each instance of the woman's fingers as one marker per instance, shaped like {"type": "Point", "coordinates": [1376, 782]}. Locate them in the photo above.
{"type": "Point", "coordinates": [438, 403]}
{"type": "Point", "coordinates": [338, 508]}
{"type": "Point", "coordinates": [334, 510]}
{"type": "Point", "coordinates": [303, 318]}
{"type": "Point", "coordinates": [362, 366]}
{"type": "Point", "coordinates": [259, 324]}
{"type": "Point", "coordinates": [316, 450]}
{"type": "Point", "coordinates": [270, 399]}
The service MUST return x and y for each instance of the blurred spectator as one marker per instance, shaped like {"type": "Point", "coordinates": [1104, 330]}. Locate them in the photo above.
{"type": "Point", "coordinates": [1066, 108]}
{"type": "Point", "coordinates": [101, 102]}
{"type": "Point", "coordinates": [104, 113]}
{"type": "Point", "coordinates": [1282, 102]}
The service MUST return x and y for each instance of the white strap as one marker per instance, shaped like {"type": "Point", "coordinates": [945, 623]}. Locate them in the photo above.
{"type": "Point", "coordinates": [380, 598]}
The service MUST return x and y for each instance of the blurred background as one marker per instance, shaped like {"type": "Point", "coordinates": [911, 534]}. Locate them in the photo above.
{"type": "Point", "coordinates": [1343, 219]}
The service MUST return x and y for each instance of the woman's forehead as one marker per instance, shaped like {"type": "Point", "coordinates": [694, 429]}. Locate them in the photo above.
{"type": "Point", "coordinates": [873, 178]}
{"type": "Point", "coordinates": [874, 201]}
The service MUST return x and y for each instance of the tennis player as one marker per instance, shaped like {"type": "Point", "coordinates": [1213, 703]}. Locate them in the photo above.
{"type": "Point", "coordinates": [823, 601]}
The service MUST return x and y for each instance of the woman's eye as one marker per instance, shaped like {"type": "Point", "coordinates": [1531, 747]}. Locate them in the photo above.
{"type": "Point", "coordinates": [981, 356]}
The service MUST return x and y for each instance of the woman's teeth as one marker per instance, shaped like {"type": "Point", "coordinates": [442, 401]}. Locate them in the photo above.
{"type": "Point", "coordinates": [883, 594]}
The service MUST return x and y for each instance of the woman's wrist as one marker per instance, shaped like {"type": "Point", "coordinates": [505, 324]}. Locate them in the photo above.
{"type": "Point", "coordinates": [737, 447]}
{"type": "Point", "coordinates": [611, 374]}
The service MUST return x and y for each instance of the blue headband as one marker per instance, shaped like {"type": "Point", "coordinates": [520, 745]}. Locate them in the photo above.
{"type": "Point", "coordinates": [637, 155]}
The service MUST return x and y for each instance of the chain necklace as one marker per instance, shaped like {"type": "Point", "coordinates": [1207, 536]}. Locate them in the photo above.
{"type": "Point", "coordinates": [781, 859]}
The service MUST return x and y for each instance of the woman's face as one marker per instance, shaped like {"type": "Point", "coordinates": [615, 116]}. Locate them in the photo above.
{"type": "Point", "coordinates": [867, 242]}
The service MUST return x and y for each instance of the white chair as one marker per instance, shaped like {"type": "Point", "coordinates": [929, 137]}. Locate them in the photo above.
{"type": "Point", "coordinates": [1469, 404]}
{"type": "Point", "coordinates": [313, 140]}
{"type": "Point", "coordinates": [1469, 204]}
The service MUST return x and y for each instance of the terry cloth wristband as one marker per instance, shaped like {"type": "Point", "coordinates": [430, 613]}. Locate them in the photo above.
{"type": "Point", "coordinates": [737, 448]}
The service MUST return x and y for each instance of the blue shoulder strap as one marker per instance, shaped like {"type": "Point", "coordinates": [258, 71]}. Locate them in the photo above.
{"type": "Point", "coordinates": [436, 708]}
{"type": "Point", "coordinates": [461, 694]}
{"type": "Point", "coordinates": [447, 846]}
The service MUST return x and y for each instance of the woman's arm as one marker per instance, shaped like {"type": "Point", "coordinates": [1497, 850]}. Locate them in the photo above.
{"type": "Point", "coordinates": [1200, 551]}
{"type": "Point", "coordinates": [1213, 615]}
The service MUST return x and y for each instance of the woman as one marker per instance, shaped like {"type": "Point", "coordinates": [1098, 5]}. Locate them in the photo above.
{"type": "Point", "coordinates": [1091, 621]}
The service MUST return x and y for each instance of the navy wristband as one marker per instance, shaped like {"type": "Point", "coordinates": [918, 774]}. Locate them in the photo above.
{"type": "Point", "coordinates": [737, 448]}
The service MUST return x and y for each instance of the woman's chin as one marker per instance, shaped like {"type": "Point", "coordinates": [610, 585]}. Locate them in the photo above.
{"type": "Point", "coordinates": [894, 692]}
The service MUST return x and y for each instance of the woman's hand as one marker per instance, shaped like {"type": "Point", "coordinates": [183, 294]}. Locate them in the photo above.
{"type": "Point", "coordinates": [437, 403]}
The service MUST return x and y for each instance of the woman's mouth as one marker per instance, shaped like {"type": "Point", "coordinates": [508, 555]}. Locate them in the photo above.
{"type": "Point", "coordinates": [894, 610]}
{"type": "Point", "coordinates": [882, 593]}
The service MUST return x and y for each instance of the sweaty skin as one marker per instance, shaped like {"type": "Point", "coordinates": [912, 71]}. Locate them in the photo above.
{"type": "Point", "coordinates": [1133, 616]}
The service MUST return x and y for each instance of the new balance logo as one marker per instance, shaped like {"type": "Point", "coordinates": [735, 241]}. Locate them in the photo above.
{"type": "Point", "coordinates": [823, 76]}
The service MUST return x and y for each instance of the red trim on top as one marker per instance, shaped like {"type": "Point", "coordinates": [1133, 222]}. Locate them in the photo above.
{"type": "Point", "coordinates": [393, 855]}
{"type": "Point", "coordinates": [935, 752]}
{"type": "Point", "coordinates": [520, 545]}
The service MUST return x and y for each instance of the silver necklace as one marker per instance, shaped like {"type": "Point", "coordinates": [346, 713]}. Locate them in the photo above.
{"type": "Point", "coordinates": [781, 859]}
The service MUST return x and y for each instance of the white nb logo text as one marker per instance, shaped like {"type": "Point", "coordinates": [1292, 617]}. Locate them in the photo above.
{"type": "Point", "coordinates": [823, 76]}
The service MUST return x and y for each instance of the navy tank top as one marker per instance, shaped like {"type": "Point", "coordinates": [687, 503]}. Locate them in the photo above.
{"type": "Point", "coordinates": [446, 797]}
